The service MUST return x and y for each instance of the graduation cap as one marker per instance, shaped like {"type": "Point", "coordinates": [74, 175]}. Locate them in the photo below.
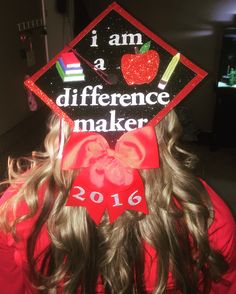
{"type": "Point", "coordinates": [115, 77]}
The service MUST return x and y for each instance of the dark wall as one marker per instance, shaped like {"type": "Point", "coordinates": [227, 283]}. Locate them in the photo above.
{"type": "Point", "coordinates": [13, 102]}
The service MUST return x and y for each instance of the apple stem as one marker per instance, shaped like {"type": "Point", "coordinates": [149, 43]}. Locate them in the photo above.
{"type": "Point", "coordinates": [136, 50]}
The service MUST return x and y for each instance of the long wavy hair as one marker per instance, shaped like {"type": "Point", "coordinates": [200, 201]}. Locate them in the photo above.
{"type": "Point", "coordinates": [176, 227]}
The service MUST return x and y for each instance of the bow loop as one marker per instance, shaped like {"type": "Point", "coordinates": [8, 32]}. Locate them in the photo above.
{"type": "Point", "coordinates": [139, 148]}
{"type": "Point", "coordinates": [82, 149]}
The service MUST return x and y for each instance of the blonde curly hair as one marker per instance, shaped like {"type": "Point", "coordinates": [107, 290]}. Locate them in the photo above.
{"type": "Point", "coordinates": [176, 226]}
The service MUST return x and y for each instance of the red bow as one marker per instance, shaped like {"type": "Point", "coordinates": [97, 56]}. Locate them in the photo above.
{"type": "Point", "coordinates": [109, 179]}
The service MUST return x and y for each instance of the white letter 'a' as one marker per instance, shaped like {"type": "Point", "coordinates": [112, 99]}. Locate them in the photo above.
{"type": "Point", "coordinates": [100, 64]}
{"type": "Point", "coordinates": [114, 40]}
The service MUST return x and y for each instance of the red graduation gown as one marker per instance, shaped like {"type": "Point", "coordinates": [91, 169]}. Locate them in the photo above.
{"type": "Point", "coordinates": [13, 261]}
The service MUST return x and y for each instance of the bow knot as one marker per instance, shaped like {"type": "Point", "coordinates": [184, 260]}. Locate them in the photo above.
{"type": "Point", "coordinates": [111, 152]}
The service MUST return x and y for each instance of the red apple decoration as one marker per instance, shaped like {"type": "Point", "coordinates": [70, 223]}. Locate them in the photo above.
{"type": "Point", "coordinates": [142, 67]}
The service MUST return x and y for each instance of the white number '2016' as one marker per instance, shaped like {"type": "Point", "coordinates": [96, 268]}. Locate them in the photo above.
{"type": "Point", "coordinates": [98, 197]}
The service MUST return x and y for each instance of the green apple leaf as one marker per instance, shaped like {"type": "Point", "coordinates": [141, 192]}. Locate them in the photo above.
{"type": "Point", "coordinates": [145, 47]}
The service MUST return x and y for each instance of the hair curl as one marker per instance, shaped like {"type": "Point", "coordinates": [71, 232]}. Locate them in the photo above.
{"type": "Point", "coordinates": [176, 226]}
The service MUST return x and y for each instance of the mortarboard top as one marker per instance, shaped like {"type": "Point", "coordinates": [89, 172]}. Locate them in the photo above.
{"type": "Point", "coordinates": [115, 76]}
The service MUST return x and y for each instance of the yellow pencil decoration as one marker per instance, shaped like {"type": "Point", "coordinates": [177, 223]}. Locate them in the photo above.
{"type": "Point", "coordinates": [169, 71]}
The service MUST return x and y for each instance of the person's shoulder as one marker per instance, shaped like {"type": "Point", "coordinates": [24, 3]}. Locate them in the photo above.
{"type": "Point", "coordinates": [10, 194]}
{"type": "Point", "coordinates": [16, 206]}
{"type": "Point", "coordinates": [222, 231]}
{"type": "Point", "coordinates": [222, 213]}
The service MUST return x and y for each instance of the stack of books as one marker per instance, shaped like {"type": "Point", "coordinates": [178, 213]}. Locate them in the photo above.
{"type": "Point", "coordinates": [69, 68]}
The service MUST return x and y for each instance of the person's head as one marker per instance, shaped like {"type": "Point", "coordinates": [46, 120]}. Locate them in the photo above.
{"type": "Point", "coordinates": [80, 250]}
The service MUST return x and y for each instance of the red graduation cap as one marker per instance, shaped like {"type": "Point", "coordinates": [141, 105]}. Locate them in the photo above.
{"type": "Point", "coordinates": [115, 77]}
